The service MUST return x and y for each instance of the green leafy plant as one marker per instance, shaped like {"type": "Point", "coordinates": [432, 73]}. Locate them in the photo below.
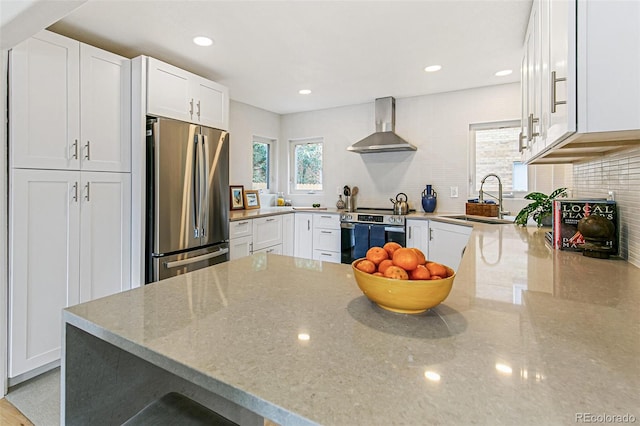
{"type": "Point", "coordinates": [541, 207]}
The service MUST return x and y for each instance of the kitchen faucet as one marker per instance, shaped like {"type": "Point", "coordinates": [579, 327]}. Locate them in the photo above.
{"type": "Point", "coordinates": [499, 197]}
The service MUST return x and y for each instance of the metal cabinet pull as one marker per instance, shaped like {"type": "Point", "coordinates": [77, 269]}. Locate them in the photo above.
{"type": "Point", "coordinates": [430, 234]}
{"type": "Point", "coordinates": [521, 146]}
{"type": "Point", "coordinates": [326, 217]}
{"type": "Point", "coordinates": [88, 148]}
{"type": "Point", "coordinates": [75, 149]}
{"type": "Point", "coordinates": [532, 121]}
{"type": "Point", "coordinates": [308, 225]}
{"type": "Point", "coordinates": [75, 192]}
{"type": "Point", "coordinates": [554, 102]}
{"type": "Point", "coordinates": [198, 110]}
{"type": "Point", "coordinates": [269, 220]}
{"type": "Point", "coordinates": [191, 107]}
{"type": "Point", "coordinates": [88, 187]}
{"type": "Point", "coordinates": [243, 223]}
{"type": "Point", "coordinates": [410, 228]}
{"type": "Point", "coordinates": [326, 232]}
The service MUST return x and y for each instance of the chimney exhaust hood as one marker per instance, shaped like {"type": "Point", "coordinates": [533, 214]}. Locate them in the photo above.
{"type": "Point", "coordinates": [385, 138]}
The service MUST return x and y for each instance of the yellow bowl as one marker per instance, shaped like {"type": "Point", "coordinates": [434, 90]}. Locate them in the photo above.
{"type": "Point", "coordinates": [404, 296]}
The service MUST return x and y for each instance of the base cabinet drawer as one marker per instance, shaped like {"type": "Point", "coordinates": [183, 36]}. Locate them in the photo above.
{"type": "Point", "coordinates": [240, 228]}
{"type": "Point", "coordinates": [326, 239]}
{"type": "Point", "coordinates": [327, 256]}
{"type": "Point", "coordinates": [277, 249]}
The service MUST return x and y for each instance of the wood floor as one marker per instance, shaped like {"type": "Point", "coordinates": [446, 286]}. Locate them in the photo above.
{"type": "Point", "coordinates": [11, 416]}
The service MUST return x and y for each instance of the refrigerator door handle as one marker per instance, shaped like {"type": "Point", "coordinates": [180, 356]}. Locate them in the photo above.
{"type": "Point", "coordinates": [204, 187]}
{"type": "Point", "coordinates": [196, 186]}
{"type": "Point", "coordinates": [190, 260]}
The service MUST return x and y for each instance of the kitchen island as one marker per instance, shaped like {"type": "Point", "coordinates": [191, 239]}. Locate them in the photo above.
{"type": "Point", "coordinates": [528, 336]}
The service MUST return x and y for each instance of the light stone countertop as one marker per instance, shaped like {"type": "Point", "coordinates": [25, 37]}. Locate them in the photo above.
{"type": "Point", "coordinates": [528, 336]}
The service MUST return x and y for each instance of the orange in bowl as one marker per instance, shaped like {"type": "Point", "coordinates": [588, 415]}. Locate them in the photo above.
{"type": "Point", "coordinates": [404, 296]}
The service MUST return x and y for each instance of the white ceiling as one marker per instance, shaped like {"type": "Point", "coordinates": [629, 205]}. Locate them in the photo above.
{"type": "Point", "coordinates": [346, 52]}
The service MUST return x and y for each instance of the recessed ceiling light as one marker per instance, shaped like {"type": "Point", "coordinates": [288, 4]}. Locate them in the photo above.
{"type": "Point", "coordinates": [503, 73]}
{"type": "Point", "coordinates": [433, 68]}
{"type": "Point", "coordinates": [305, 92]}
{"type": "Point", "coordinates": [202, 41]}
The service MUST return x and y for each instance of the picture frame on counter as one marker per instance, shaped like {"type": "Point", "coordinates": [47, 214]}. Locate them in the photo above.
{"type": "Point", "coordinates": [251, 199]}
{"type": "Point", "coordinates": [236, 192]}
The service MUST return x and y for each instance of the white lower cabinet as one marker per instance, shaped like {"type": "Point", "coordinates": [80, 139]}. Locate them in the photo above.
{"type": "Point", "coordinates": [417, 235]}
{"type": "Point", "coordinates": [69, 242]}
{"type": "Point", "coordinates": [326, 237]}
{"type": "Point", "coordinates": [447, 242]}
{"type": "Point", "coordinates": [303, 235]}
{"type": "Point", "coordinates": [288, 234]}
{"type": "Point", "coordinates": [270, 234]}
{"type": "Point", "coordinates": [267, 232]}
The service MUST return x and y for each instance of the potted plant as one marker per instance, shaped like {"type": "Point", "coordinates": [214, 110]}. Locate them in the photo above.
{"type": "Point", "coordinates": [541, 209]}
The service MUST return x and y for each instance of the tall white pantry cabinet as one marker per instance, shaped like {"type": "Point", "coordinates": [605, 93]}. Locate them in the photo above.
{"type": "Point", "coordinates": [69, 190]}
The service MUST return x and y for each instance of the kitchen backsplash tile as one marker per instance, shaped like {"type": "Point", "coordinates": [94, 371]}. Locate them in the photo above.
{"type": "Point", "coordinates": [618, 172]}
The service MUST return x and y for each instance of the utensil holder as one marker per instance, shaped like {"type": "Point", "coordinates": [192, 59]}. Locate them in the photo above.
{"type": "Point", "coordinates": [350, 203]}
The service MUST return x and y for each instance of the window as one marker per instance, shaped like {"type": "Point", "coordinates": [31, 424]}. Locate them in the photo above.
{"type": "Point", "coordinates": [306, 165]}
{"type": "Point", "coordinates": [262, 162]}
{"type": "Point", "coordinates": [495, 150]}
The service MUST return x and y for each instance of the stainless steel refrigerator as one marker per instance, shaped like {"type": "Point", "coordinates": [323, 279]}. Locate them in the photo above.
{"type": "Point", "coordinates": [187, 198]}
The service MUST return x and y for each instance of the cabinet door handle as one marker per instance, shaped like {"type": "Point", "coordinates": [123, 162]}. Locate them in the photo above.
{"type": "Point", "coordinates": [243, 223]}
{"type": "Point", "coordinates": [88, 187]}
{"type": "Point", "coordinates": [191, 107]}
{"type": "Point", "coordinates": [270, 220]}
{"type": "Point", "coordinates": [308, 225]}
{"type": "Point", "coordinates": [75, 149]}
{"type": "Point", "coordinates": [532, 121]}
{"type": "Point", "coordinates": [75, 192]}
{"type": "Point", "coordinates": [410, 228]}
{"type": "Point", "coordinates": [554, 102]}
{"type": "Point", "coordinates": [270, 250]}
{"type": "Point", "coordinates": [326, 217]}
{"type": "Point", "coordinates": [325, 254]}
{"type": "Point", "coordinates": [430, 234]}
{"type": "Point", "coordinates": [521, 137]}
{"type": "Point", "coordinates": [198, 110]}
{"type": "Point", "coordinates": [88, 148]}
{"type": "Point", "coordinates": [326, 232]}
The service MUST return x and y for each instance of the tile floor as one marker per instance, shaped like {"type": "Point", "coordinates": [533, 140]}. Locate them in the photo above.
{"type": "Point", "coordinates": [39, 398]}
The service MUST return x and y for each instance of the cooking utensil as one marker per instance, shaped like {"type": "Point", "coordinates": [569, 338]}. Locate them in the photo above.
{"type": "Point", "coordinates": [354, 191]}
{"type": "Point", "coordinates": [347, 191]}
{"type": "Point", "coordinates": [400, 206]}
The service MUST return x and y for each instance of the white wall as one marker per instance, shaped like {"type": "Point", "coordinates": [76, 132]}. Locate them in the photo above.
{"type": "Point", "coordinates": [246, 121]}
{"type": "Point", "coordinates": [437, 124]}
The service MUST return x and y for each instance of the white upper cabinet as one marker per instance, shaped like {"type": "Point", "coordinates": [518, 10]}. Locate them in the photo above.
{"type": "Point", "coordinates": [105, 117]}
{"type": "Point", "coordinates": [587, 70]}
{"type": "Point", "coordinates": [175, 93]}
{"type": "Point", "coordinates": [69, 106]}
{"type": "Point", "coordinates": [44, 103]}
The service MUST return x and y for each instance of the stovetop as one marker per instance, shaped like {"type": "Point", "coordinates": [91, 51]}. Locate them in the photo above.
{"type": "Point", "coordinates": [373, 215]}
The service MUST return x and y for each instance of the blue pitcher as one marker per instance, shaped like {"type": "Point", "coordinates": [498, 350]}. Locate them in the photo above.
{"type": "Point", "coordinates": [429, 199]}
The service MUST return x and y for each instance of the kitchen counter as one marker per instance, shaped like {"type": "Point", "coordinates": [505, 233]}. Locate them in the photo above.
{"type": "Point", "coordinates": [235, 215]}
{"type": "Point", "coordinates": [528, 336]}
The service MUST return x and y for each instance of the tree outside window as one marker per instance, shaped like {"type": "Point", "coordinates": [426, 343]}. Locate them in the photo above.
{"type": "Point", "coordinates": [262, 161]}
{"type": "Point", "coordinates": [306, 165]}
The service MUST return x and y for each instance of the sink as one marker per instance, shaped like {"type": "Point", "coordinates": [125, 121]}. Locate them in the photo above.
{"type": "Point", "coordinates": [480, 219]}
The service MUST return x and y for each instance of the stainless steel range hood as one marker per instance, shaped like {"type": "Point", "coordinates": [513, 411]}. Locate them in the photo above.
{"type": "Point", "coordinates": [385, 138]}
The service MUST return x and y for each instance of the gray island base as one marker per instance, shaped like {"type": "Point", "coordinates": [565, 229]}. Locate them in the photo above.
{"type": "Point", "coordinates": [527, 336]}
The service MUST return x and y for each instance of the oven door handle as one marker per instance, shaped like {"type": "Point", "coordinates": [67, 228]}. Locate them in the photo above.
{"type": "Point", "coordinates": [347, 225]}
{"type": "Point", "coordinates": [399, 229]}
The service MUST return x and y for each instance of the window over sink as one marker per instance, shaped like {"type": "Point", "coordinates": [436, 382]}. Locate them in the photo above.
{"type": "Point", "coordinates": [306, 165]}
{"type": "Point", "coordinates": [494, 149]}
